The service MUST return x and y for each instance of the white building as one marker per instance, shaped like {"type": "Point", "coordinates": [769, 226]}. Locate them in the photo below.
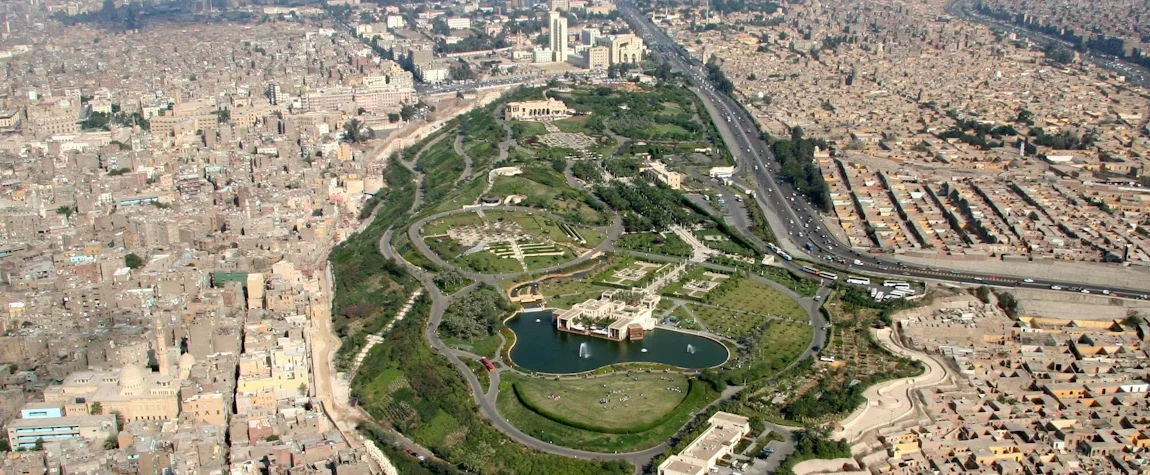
{"type": "Point", "coordinates": [722, 172]}
{"type": "Point", "coordinates": [611, 316]}
{"type": "Point", "coordinates": [719, 440]}
{"type": "Point", "coordinates": [433, 75]}
{"type": "Point", "coordinates": [590, 35]}
{"type": "Point", "coordinates": [395, 21]}
{"type": "Point", "coordinates": [558, 24]}
{"type": "Point", "coordinates": [542, 55]}
{"type": "Point", "coordinates": [457, 23]}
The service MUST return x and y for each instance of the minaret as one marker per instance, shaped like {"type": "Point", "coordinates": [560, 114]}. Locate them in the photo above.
{"type": "Point", "coordinates": [161, 350]}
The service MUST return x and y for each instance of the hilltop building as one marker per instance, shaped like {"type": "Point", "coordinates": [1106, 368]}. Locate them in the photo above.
{"type": "Point", "coordinates": [535, 110]}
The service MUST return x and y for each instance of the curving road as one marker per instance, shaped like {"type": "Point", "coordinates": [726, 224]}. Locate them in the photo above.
{"type": "Point", "coordinates": [415, 233]}
{"type": "Point", "coordinates": [794, 220]}
{"type": "Point", "coordinates": [487, 398]}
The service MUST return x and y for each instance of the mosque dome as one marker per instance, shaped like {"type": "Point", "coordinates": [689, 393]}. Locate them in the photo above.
{"type": "Point", "coordinates": [131, 379]}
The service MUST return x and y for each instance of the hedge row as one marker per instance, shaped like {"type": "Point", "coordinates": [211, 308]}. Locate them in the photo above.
{"type": "Point", "coordinates": [695, 392]}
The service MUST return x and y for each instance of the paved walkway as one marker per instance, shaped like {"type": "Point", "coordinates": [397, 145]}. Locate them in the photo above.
{"type": "Point", "coordinates": [891, 401]}
{"type": "Point", "coordinates": [466, 160]}
{"type": "Point", "coordinates": [414, 232]}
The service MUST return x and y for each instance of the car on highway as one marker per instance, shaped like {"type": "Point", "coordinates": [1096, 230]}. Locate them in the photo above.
{"type": "Point", "coordinates": [1028, 281]}
{"type": "Point", "coordinates": [1055, 287]}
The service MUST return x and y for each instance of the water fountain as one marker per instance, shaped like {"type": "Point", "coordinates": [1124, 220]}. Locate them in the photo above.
{"type": "Point", "coordinates": [690, 348]}
{"type": "Point", "coordinates": [584, 352]}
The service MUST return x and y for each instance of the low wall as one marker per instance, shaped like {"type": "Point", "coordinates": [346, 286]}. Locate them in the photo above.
{"type": "Point", "coordinates": [429, 128]}
{"type": "Point", "coordinates": [832, 466]}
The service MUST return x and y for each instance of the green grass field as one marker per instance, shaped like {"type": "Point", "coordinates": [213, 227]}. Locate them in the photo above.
{"type": "Point", "coordinates": [488, 263]}
{"type": "Point", "coordinates": [575, 125]}
{"type": "Point", "coordinates": [527, 130]}
{"type": "Point", "coordinates": [440, 226]}
{"type": "Point", "coordinates": [756, 297]}
{"type": "Point", "coordinates": [547, 189]}
{"type": "Point", "coordinates": [782, 343]}
{"type": "Point", "coordinates": [667, 244]}
{"type": "Point", "coordinates": [482, 347]}
{"type": "Point", "coordinates": [541, 262]}
{"type": "Point", "coordinates": [551, 431]}
{"type": "Point", "coordinates": [733, 325]}
{"type": "Point", "coordinates": [564, 293]}
{"type": "Point", "coordinates": [580, 399]}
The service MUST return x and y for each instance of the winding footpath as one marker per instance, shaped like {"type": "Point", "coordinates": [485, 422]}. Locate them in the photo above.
{"type": "Point", "coordinates": [414, 232]}
{"type": "Point", "coordinates": [458, 146]}
{"type": "Point", "coordinates": [892, 401]}
{"type": "Point", "coordinates": [487, 399]}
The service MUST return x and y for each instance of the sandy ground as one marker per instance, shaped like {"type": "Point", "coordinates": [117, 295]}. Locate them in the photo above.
{"type": "Point", "coordinates": [835, 466]}
{"type": "Point", "coordinates": [330, 389]}
{"type": "Point", "coordinates": [890, 401]}
{"type": "Point", "coordinates": [1071, 305]}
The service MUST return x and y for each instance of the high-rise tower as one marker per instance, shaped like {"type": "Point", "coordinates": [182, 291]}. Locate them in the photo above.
{"type": "Point", "coordinates": [558, 24]}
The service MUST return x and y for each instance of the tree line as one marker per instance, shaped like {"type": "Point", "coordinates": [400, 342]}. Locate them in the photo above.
{"type": "Point", "coordinates": [796, 159]}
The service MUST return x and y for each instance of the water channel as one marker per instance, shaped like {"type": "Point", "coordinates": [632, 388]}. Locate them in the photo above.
{"type": "Point", "coordinates": [542, 348]}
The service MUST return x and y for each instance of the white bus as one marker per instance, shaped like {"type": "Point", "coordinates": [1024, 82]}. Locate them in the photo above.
{"type": "Point", "coordinates": [811, 270]}
{"type": "Point", "coordinates": [894, 283]}
{"type": "Point", "coordinates": [828, 276]}
{"type": "Point", "coordinates": [858, 280]}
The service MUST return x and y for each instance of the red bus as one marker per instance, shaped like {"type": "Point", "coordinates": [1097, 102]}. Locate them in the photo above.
{"type": "Point", "coordinates": [487, 363]}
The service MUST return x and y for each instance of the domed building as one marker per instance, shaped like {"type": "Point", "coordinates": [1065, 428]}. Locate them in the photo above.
{"type": "Point", "coordinates": [135, 393]}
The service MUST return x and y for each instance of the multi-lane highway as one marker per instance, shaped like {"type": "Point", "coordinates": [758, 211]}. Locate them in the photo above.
{"type": "Point", "coordinates": [801, 225]}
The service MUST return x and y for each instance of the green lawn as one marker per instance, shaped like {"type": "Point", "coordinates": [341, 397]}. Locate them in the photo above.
{"type": "Point", "coordinates": [567, 292]}
{"type": "Point", "coordinates": [488, 263]}
{"type": "Point", "coordinates": [467, 194]}
{"type": "Point", "coordinates": [667, 244]}
{"type": "Point", "coordinates": [668, 129]}
{"type": "Point", "coordinates": [548, 430]}
{"type": "Point", "coordinates": [575, 125]}
{"type": "Point", "coordinates": [525, 130]}
{"type": "Point", "coordinates": [482, 347]}
{"type": "Point", "coordinates": [535, 263]}
{"type": "Point", "coordinates": [440, 226]}
{"type": "Point", "coordinates": [580, 399]}
{"type": "Point", "coordinates": [381, 386]}
{"type": "Point", "coordinates": [733, 325]}
{"type": "Point", "coordinates": [781, 343]}
{"type": "Point", "coordinates": [441, 167]}
{"type": "Point", "coordinates": [445, 247]}
{"type": "Point", "coordinates": [547, 189]}
{"type": "Point", "coordinates": [756, 297]}
{"type": "Point", "coordinates": [436, 430]}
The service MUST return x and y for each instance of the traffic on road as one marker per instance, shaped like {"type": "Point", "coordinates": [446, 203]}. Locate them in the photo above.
{"type": "Point", "coordinates": [804, 230]}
